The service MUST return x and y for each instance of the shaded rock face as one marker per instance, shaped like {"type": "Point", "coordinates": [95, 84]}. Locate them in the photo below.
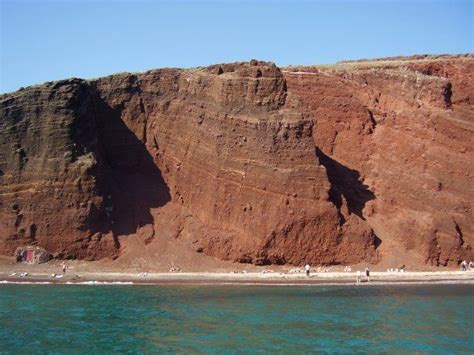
{"type": "Point", "coordinates": [246, 162]}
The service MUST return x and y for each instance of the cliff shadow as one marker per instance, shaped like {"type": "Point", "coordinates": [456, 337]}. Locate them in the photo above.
{"type": "Point", "coordinates": [345, 182]}
{"type": "Point", "coordinates": [128, 178]}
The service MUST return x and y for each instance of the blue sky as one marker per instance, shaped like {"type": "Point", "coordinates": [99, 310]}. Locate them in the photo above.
{"type": "Point", "coordinates": [49, 40]}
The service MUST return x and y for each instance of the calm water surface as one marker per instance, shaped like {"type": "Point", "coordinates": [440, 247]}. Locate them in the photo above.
{"type": "Point", "coordinates": [235, 319]}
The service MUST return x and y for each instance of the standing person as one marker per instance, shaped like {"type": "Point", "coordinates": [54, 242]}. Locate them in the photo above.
{"type": "Point", "coordinates": [307, 268]}
{"type": "Point", "coordinates": [358, 273]}
{"type": "Point", "coordinates": [64, 268]}
{"type": "Point", "coordinates": [367, 274]}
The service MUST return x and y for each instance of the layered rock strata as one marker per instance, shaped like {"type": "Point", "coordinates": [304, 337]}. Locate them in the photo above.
{"type": "Point", "coordinates": [360, 161]}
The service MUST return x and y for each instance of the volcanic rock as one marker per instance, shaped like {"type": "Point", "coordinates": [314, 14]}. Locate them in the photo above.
{"type": "Point", "coordinates": [359, 161]}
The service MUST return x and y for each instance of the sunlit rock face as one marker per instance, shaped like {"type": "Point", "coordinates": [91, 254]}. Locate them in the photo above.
{"type": "Point", "coordinates": [355, 162]}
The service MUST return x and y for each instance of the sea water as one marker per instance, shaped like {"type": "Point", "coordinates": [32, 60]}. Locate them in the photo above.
{"type": "Point", "coordinates": [236, 319]}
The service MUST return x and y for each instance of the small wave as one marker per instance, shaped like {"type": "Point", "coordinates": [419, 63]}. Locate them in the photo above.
{"type": "Point", "coordinates": [100, 283]}
{"type": "Point", "coordinates": [26, 282]}
{"type": "Point", "coordinates": [67, 283]}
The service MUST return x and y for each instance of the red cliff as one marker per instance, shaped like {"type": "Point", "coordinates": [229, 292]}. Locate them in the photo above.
{"type": "Point", "coordinates": [358, 161]}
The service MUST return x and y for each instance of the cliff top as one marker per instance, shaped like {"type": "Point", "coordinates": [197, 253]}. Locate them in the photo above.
{"type": "Point", "coordinates": [255, 68]}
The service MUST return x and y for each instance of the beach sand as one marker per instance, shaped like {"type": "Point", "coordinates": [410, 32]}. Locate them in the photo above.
{"type": "Point", "coordinates": [82, 273]}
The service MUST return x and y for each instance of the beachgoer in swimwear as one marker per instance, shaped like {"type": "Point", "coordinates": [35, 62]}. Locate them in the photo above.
{"type": "Point", "coordinates": [358, 273]}
{"type": "Point", "coordinates": [367, 274]}
{"type": "Point", "coordinates": [307, 268]}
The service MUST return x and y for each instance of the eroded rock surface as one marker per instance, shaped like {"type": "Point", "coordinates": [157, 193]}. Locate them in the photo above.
{"type": "Point", "coordinates": [403, 126]}
{"type": "Point", "coordinates": [360, 161]}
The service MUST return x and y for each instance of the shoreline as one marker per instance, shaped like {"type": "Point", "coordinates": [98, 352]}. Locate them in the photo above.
{"type": "Point", "coordinates": [237, 284]}
{"type": "Point", "coordinates": [243, 279]}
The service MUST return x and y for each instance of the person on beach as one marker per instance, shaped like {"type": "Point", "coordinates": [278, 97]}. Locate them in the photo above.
{"type": "Point", "coordinates": [367, 274]}
{"type": "Point", "coordinates": [358, 273]}
{"type": "Point", "coordinates": [64, 268]}
{"type": "Point", "coordinates": [464, 265]}
{"type": "Point", "coordinates": [306, 269]}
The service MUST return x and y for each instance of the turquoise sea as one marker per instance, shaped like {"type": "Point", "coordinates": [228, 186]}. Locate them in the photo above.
{"type": "Point", "coordinates": [236, 319]}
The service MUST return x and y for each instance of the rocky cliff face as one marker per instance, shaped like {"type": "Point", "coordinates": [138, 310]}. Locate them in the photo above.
{"type": "Point", "coordinates": [360, 161]}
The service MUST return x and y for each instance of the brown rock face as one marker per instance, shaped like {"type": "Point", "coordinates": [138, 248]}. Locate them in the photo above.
{"type": "Point", "coordinates": [360, 161]}
{"type": "Point", "coordinates": [406, 127]}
